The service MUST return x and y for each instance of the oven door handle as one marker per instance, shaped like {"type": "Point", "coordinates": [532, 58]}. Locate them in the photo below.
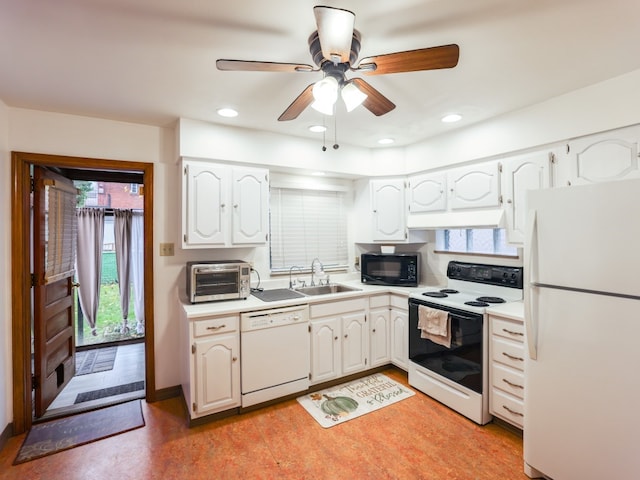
{"type": "Point", "coordinates": [463, 317]}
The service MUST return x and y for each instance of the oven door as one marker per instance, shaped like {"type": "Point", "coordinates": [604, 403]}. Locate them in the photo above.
{"type": "Point", "coordinates": [462, 362]}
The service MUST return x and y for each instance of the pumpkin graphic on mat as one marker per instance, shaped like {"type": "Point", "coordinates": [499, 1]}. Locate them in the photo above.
{"type": "Point", "coordinates": [339, 406]}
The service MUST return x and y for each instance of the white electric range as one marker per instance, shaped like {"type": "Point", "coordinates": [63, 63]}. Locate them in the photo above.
{"type": "Point", "coordinates": [456, 373]}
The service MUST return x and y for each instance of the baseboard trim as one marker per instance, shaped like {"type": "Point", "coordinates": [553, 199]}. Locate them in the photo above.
{"type": "Point", "coordinates": [166, 393]}
{"type": "Point", "coordinates": [5, 435]}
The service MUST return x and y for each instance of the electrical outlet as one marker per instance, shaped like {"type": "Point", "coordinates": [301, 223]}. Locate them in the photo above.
{"type": "Point", "coordinates": [166, 250]}
{"type": "Point", "coordinates": [356, 261]}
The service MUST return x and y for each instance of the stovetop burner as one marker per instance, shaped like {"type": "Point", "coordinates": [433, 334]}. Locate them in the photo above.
{"type": "Point", "coordinates": [449, 291]}
{"type": "Point", "coordinates": [435, 294]}
{"type": "Point", "coordinates": [490, 299]}
{"type": "Point", "coordinates": [476, 303]}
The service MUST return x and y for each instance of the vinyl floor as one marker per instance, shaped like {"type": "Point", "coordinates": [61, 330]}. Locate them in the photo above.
{"type": "Point", "coordinates": [417, 438]}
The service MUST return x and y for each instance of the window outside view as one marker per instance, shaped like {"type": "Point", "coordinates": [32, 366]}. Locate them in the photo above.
{"type": "Point", "coordinates": [487, 241]}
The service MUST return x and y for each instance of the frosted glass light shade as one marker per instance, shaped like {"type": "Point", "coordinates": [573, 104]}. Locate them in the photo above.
{"type": "Point", "coordinates": [352, 96]}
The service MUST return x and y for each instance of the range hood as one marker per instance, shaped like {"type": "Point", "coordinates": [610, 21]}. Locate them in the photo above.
{"type": "Point", "coordinates": [460, 219]}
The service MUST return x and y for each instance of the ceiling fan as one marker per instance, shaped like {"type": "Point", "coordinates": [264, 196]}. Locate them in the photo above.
{"type": "Point", "coordinates": [334, 48]}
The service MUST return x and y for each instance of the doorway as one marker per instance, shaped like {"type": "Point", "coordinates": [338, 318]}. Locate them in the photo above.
{"type": "Point", "coordinates": [86, 169]}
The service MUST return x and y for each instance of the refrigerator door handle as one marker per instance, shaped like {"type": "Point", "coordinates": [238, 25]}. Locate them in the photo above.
{"type": "Point", "coordinates": [530, 262]}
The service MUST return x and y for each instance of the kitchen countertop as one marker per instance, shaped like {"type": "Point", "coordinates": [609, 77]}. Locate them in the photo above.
{"type": "Point", "coordinates": [512, 310]}
{"type": "Point", "coordinates": [252, 304]}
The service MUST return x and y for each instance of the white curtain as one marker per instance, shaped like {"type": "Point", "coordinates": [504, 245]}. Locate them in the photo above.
{"type": "Point", "coordinates": [137, 269]}
{"type": "Point", "coordinates": [122, 234]}
{"type": "Point", "coordinates": [89, 261]}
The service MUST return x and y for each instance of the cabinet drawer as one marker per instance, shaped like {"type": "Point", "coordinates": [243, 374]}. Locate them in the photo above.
{"type": "Point", "coordinates": [400, 301]}
{"type": "Point", "coordinates": [508, 352]}
{"type": "Point", "coordinates": [213, 326]}
{"type": "Point", "coordinates": [337, 308]}
{"type": "Point", "coordinates": [508, 329]}
{"type": "Point", "coordinates": [507, 407]}
{"type": "Point", "coordinates": [379, 301]}
{"type": "Point", "coordinates": [507, 379]}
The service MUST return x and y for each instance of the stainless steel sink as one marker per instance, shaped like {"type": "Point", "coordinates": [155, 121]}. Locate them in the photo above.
{"type": "Point", "coordinates": [326, 289]}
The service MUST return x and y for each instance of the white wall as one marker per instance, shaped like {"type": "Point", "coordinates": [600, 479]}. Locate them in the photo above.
{"type": "Point", "coordinates": [6, 387]}
{"type": "Point", "coordinates": [59, 134]}
{"type": "Point", "coordinates": [604, 106]}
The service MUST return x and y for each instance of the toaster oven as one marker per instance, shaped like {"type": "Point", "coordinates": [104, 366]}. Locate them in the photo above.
{"type": "Point", "coordinates": [211, 281]}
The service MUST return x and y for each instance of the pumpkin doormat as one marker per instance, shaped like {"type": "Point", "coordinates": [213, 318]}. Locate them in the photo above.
{"type": "Point", "coordinates": [350, 400]}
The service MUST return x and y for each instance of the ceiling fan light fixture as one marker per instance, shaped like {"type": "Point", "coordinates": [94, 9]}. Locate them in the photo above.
{"type": "Point", "coordinates": [352, 96]}
{"type": "Point", "coordinates": [325, 94]}
{"type": "Point", "coordinates": [317, 128]}
{"type": "Point", "coordinates": [323, 107]}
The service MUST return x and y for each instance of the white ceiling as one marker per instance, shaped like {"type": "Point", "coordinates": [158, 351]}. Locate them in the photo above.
{"type": "Point", "coordinates": [153, 61]}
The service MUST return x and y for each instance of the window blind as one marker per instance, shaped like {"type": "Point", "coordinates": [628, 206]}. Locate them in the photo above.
{"type": "Point", "coordinates": [60, 232]}
{"type": "Point", "coordinates": [306, 224]}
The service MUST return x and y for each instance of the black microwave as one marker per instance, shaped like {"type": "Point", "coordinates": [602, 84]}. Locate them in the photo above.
{"type": "Point", "coordinates": [398, 269]}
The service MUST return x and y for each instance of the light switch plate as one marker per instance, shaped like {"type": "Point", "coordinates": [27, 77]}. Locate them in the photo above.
{"type": "Point", "coordinates": [166, 250]}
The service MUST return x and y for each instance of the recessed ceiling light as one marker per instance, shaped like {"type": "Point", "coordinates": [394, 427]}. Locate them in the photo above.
{"type": "Point", "coordinates": [318, 174]}
{"type": "Point", "coordinates": [452, 117]}
{"type": "Point", "coordinates": [227, 112]}
{"type": "Point", "coordinates": [317, 128]}
{"type": "Point", "coordinates": [386, 141]}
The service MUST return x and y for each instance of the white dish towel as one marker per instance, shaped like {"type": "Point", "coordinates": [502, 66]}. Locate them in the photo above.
{"type": "Point", "coordinates": [434, 325]}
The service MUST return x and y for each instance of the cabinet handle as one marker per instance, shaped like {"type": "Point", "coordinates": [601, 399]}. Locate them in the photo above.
{"type": "Point", "coordinates": [509, 201]}
{"type": "Point", "coordinates": [512, 412]}
{"type": "Point", "coordinates": [336, 338]}
{"type": "Point", "coordinates": [514, 385]}
{"type": "Point", "coordinates": [346, 335]}
{"type": "Point", "coordinates": [235, 205]}
{"type": "Point", "coordinates": [374, 330]}
{"type": "Point", "coordinates": [519, 359]}
{"type": "Point", "coordinates": [234, 359]}
{"type": "Point", "coordinates": [217, 328]}
{"type": "Point", "coordinates": [511, 332]}
{"type": "Point", "coordinates": [222, 205]}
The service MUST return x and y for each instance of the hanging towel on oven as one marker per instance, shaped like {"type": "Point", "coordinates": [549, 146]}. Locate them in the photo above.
{"type": "Point", "coordinates": [435, 325]}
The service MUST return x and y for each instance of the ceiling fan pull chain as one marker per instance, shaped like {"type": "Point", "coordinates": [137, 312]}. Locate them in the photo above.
{"type": "Point", "coordinates": [335, 129]}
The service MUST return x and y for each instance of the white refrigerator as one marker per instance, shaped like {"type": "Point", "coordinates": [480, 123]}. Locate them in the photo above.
{"type": "Point", "coordinates": [582, 319]}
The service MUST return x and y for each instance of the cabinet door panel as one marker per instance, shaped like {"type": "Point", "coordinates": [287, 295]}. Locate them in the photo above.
{"type": "Point", "coordinates": [250, 205]}
{"type": "Point", "coordinates": [387, 200]}
{"type": "Point", "coordinates": [325, 351]}
{"type": "Point", "coordinates": [380, 344]}
{"type": "Point", "coordinates": [355, 340]}
{"type": "Point", "coordinates": [206, 204]}
{"type": "Point", "coordinates": [521, 174]}
{"type": "Point", "coordinates": [217, 373]}
{"type": "Point", "coordinates": [607, 156]}
{"type": "Point", "coordinates": [428, 193]}
{"type": "Point", "coordinates": [474, 187]}
{"type": "Point", "coordinates": [399, 338]}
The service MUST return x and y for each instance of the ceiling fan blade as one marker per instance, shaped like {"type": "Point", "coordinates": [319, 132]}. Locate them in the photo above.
{"type": "Point", "coordinates": [252, 66]}
{"type": "Point", "coordinates": [335, 31]}
{"type": "Point", "coordinates": [375, 102]}
{"type": "Point", "coordinates": [298, 105]}
{"type": "Point", "coordinates": [433, 58]}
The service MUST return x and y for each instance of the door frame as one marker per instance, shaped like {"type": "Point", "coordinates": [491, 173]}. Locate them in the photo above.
{"type": "Point", "coordinates": [21, 310]}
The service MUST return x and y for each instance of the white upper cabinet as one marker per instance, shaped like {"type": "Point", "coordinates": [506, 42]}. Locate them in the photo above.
{"type": "Point", "coordinates": [475, 186]}
{"type": "Point", "coordinates": [520, 174]}
{"type": "Point", "coordinates": [427, 192]}
{"type": "Point", "coordinates": [223, 206]}
{"type": "Point", "coordinates": [604, 157]}
{"type": "Point", "coordinates": [388, 212]}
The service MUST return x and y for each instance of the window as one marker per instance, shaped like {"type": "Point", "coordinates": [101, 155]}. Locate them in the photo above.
{"type": "Point", "coordinates": [488, 241]}
{"type": "Point", "coordinates": [306, 224]}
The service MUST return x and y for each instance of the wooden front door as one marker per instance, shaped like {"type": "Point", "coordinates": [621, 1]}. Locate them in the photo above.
{"type": "Point", "coordinates": [54, 239]}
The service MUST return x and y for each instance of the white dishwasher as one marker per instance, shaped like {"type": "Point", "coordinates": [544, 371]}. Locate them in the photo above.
{"type": "Point", "coordinates": [275, 353]}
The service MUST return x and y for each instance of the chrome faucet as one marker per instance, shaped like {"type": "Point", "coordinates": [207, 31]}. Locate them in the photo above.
{"type": "Point", "coordinates": [294, 283]}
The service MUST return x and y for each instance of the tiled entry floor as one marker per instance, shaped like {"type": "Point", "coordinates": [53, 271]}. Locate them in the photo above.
{"type": "Point", "coordinates": [128, 368]}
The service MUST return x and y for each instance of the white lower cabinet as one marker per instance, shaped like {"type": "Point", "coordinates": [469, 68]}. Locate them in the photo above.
{"type": "Point", "coordinates": [399, 331]}
{"type": "Point", "coordinates": [507, 369]}
{"type": "Point", "coordinates": [339, 339]}
{"type": "Point", "coordinates": [211, 376]}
